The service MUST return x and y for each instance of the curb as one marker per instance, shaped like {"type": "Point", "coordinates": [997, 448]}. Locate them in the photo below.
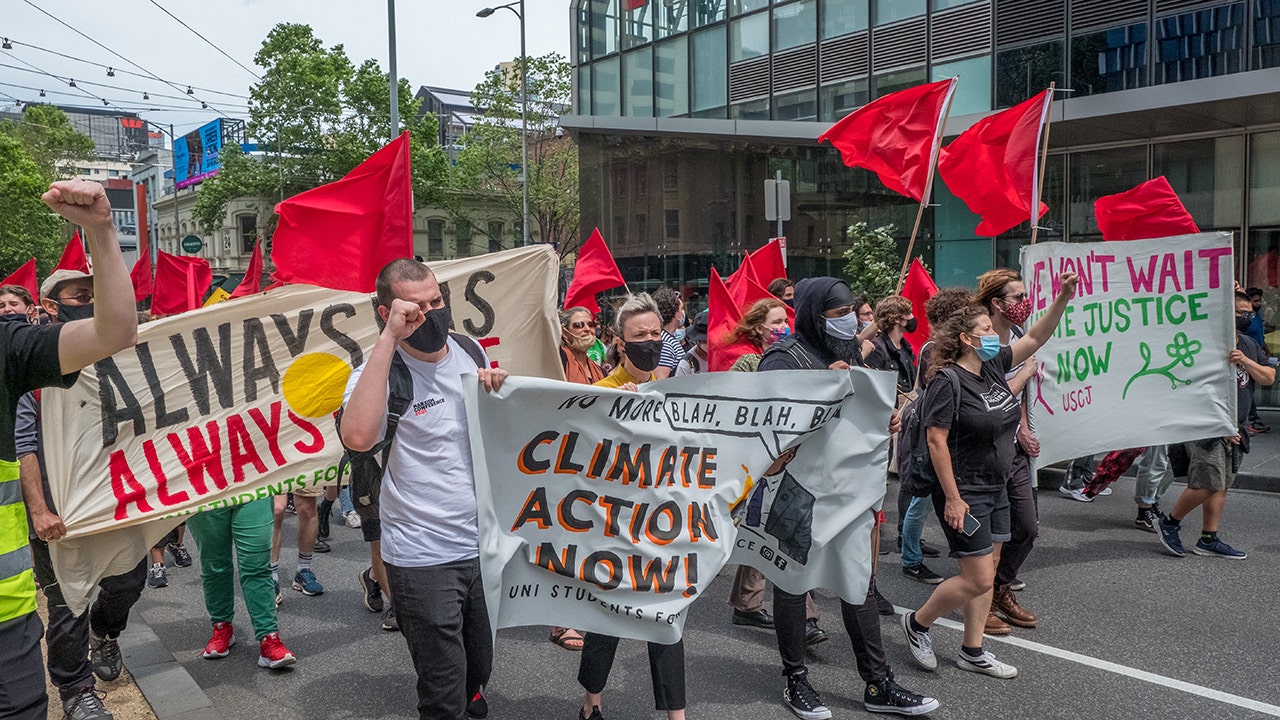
{"type": "Point", "coordinates": [164, 682]}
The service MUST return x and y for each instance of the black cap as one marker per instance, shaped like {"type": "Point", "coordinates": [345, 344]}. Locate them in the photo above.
{"type": "Point", "coordinates": [838, 296]}
{"type": "Point", "coordinates": [697, 332]}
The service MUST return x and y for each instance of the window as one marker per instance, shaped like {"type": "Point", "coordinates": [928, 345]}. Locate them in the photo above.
{"type": "Point", "coordinates": [604, 27]}
{"type": "Point", "coordinates": [944, 4]}
{"type": "Point", "coordinates": [604, 87]}
{"type": "Point", "coordinates": [1109, 60]}
{"type": "Point", "coordinates": [749, 37]}
{"type": "Point", "coordinates": [462, 237]}
{"type": "Point", "coordinates": [795, 24]}
{"type": "Point", "coordinates": [642, 228]}
{"type": "Point", "coordinates": [1098, 173]}
{"type": "Point", "coordinates": [620, 229]}
{"type": "Point", "coordinates": [1207, 175]}
{"type": "Point", "coordinates": [1023, 72]}
{"type": "Point", "coordinates": [584, 90]}
{"type": "Point", "coordinates": [670, 18]}
{"type": "Point", "coordinates": [1266, 34]}
{"type": "Point", "coordinates": [671, 78]}
{"type": "Point", "coordinates": [637, 79]}
{"type": "Point", "coordinates": [672, 220]}
{"type": "Point", "coordinates": [888, 11]}
{"type": "Point", "coordinates": [670, 174]}
{"type": "Point", "coordinates": [797, 106]}
{"type": "Point", "coordinates": [113, 173]}
{"type": "Point", "coordinates": [711, 82]}
{"type": "Point", "coordinates": [1200, 44]}
{"type": "Point", "coordinates": [583, 29]}
{"type": "Point", "coordinates": [742, 7]}
{"type": "Point", "coordinates": [843, 98]}
{"type": "Point", "coordinates": [495, 235]}
{"type": "Point", "coordinates": [750, 110]}
{"type": "Point", "coordinates": [247, 228]}
{"type": "Point", "coordinates": [637, 26]}
{"type": "Point", "coordinates": [435, 239]}
{"type": "Point", "coordinates": [973, 92]}
{"type": "Point", "coordinates": [893, 82]}
{"type": "Point", "coordinates": [1264, 179]}
{"type": "Point", "coordinates": [841, 17]}
{"type": "Point", "coordinates": [705, 12]}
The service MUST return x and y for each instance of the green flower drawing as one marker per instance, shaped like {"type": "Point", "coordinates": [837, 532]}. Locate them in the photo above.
{"type": "Point", "coordinates": [1182, 350]}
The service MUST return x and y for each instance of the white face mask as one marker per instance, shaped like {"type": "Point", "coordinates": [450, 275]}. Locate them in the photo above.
{"type": "Point", "coordinates": [843, 328]}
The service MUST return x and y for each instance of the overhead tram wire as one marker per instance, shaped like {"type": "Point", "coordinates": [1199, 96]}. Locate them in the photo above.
{"type": "Point", "coordinates": [67, 25]}
{"type": "Point", "coordinates": [121, 70]}
{"type": "Point", "coordinates": [98, 84]}
{"type": "Point", "coordinates": [206, 40]}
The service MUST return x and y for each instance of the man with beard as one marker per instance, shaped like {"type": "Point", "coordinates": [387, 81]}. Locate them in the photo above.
{"type": "Point", "coordinates": [826, 338]}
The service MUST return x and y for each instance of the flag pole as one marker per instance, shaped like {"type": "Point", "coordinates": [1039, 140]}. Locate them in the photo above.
{"type": "Point", "coordinates": [928, 186]}
{"type": "Point", "coordinates": [1044, 161]}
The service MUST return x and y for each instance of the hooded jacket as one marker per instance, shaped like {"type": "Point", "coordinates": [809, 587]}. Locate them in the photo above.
{"type": "Point", "coordinates": [807, 349]}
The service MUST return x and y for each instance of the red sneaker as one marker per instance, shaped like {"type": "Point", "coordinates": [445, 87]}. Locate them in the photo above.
{"type": "Point", "coordinates": [221, 642]}
{"type": "Point", "coordinates": [273, 654]}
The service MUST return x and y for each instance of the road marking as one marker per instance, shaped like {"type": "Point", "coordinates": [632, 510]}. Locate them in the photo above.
{"type": "Point", "coordinates": [1210, 693]}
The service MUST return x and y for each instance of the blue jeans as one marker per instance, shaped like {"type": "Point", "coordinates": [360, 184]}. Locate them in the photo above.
{"type": "Point", "coordinates": [344, 500]}
{"type": "Point", "coordinates": [912, 527]}
{"type": "Point", "coordinates": [1154, 475]}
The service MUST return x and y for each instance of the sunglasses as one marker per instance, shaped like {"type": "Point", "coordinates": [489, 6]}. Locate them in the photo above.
{"type": "Point", "coordinates": [584, 324]}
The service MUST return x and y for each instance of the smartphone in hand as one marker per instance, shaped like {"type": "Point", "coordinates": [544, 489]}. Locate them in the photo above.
{"type": "Point", "coordinates": [971, 525]}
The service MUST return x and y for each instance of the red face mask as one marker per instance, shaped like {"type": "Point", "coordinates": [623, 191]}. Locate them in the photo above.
{"type": "Point", "coordinates": [1017, 312]}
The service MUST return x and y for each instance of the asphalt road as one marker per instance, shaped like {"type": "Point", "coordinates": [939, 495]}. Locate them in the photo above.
{"type": "Point", "coordinates": [1125, 632]}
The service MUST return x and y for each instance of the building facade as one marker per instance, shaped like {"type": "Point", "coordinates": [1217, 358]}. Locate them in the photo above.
{"type": "Point", "coordinates": [683, 109]}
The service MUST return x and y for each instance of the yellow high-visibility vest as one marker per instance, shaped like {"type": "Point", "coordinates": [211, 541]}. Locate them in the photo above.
{"type": "Point", "coordinates": [17, 582]}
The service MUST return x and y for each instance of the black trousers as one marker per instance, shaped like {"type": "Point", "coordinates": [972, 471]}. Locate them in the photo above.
{"type": "Point", "coordinates": [1024, 519]}
{"type": "Point", "coordinates": [22, 693]}
{"type": "Point", "coordinates": [443, 617]}
{"type": "Point", "coordinates": [68, 634]}
{"type": "Point", "coordinates": [862, 622]}
{"type": "Point", "coordinates": [666, 667]}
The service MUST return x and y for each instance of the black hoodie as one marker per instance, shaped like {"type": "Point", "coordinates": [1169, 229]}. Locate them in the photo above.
{"type": "Point", "coordinates": [808, 348]}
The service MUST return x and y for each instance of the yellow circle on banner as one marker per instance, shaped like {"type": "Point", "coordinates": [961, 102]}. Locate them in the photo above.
{"type": "Point", "coordinates": [314, 383]}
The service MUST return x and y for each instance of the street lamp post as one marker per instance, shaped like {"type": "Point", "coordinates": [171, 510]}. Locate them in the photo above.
{"type": "Point", "coordinates": [395, 80]}
{"type": "Point", "coordinates": [524, 109]}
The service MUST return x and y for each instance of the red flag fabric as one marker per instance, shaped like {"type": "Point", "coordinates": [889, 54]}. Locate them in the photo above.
{"type": "Point", "coordinates": [340, 235]}
{"type": "Point", "coordinates": [896, 136]}
{"type": "Point", "coordinates": [727, 303]}
{"type": "Point", "coordinates": [141, 277]}
{"type": "Point", "coordinates": [73, 257]}
{"type": "Point", "coordinates": [25, 276]}
{"type": "Point", "coordinates": [251, 284]}
{"type": "Point", "coordinates": [918, 288]}
{"type": "Point", "coordinates": [994, 165]}
{"type": "Point", "coordinates": [180, 285]}
{"type": "Point", "coordinates": [634, 4]}
{"type": "Point", "coordinates": [594, 272]}
{"type": "Point", "coordinates": [1150, 210]}
{"type": "Point", "coordinates": [767, 263]}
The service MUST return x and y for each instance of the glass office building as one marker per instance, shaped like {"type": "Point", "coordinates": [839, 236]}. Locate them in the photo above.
{"type": "Point", "coordinates": [682, 108]}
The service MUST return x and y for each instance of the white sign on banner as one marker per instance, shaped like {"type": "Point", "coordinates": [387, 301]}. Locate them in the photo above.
{"type": "Point", "coordinates": [611, 511]}
{"type": "Point", "coordinates": [235, 401]}
{"type": "Point", "coordinates": [1140, 357]}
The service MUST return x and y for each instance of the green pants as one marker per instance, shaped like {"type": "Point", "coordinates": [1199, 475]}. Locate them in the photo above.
{"type": "Point", "coordinates": [248, 528]}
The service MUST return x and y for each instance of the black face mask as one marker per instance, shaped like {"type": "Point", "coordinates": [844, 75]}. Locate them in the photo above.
{"type": "Point", "coordinates": [1243, 324]}
{"type": "Point", "coordinates": [67, 313]}
{"type": "Point", "coordinates": [22, 318]}
{"type": "Point", "coordinates": [790, 303]}
{"type": "Point", "coordinates": [432, 334]}
{"type": "Point", "coordinates": [645, 354]}
{"type": "Point", "coordinates": [910, 325]}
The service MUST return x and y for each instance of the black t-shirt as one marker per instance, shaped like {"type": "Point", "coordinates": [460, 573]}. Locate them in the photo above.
{"type": "Point", "coordinates": [884, 356]}
{"type": "Point", "coordinates": [1244, 381]}
{"type": "Point", "coordinates": [28, 360]}
{"type": "Point", "coordinates": [982, 446]}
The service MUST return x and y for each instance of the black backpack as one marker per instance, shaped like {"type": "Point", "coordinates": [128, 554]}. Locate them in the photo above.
{"type": "Point", "coordinates": [915, 467]}
{"type": "Point", "coordinates": [366, 467]}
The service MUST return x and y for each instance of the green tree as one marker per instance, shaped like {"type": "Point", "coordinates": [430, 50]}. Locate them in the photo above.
{"type": "Point", "coordinates": [488, 166]}
{"type": "Point", "coordinates": [27, 227]}
{"type": "Point", "coordinates": [49, 139]}
{"type": "Point", "coordinates": [316, 117]}
{"type": "Point", "coordinates": [872, 261]}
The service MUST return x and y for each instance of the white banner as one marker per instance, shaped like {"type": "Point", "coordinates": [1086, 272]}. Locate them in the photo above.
{"type": "Point", "coordinates": [234, 402]}
{"type": "Point", "coordinates": [1140, 357]}
{"type": "Point", "coordinates": [610, 511]}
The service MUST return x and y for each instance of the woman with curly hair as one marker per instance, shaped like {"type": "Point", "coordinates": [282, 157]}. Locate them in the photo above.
{"type": "Point", "coordinates": [761, 325]}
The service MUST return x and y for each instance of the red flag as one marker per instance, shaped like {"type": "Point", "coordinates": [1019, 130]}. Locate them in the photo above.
{"type": "Point", "coordinates": [896, 136]}
{"type": "Point", "coordinates": [727, 303]}
{"type": "Point", "coordinates": [25, 276]}
{"type": "Point", "coordinates": [73, 257]}
{"type": "Point", "coordinates": [630, 5]}
{"type": "Point", "coordinates": [994, 166]}
{"type": "Point", "coordinates": [1150, 210]}
{"type": "Point", "coordinates": [141, 277]}
{"type": "Point", "coordinates": [181, 283]}
{"type": "Point", "coordinates": [341, 235]}
{"type": "Point", "coordinates": [594, 272]}
{"type": "Point", "coordinates": [918, 288]}
{"type": "Point", "coordinates": [766, 263]}
{"type": "Point", "coordinates": [251, 283]}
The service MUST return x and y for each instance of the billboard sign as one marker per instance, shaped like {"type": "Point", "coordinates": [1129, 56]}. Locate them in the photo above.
{"type": "Point", "coordinates": [195, 155]}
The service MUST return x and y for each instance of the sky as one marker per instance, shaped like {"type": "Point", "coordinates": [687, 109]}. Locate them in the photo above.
{"type": "Point", "coordinates": [439, 42]}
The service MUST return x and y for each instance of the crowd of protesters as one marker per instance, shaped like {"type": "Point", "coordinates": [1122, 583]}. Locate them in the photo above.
{"type": "Point", "coordinates": [968, 383]}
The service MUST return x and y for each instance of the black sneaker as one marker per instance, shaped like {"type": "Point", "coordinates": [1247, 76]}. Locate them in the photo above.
{"type": "Point", "coordinates": [181, 557]}
{"type": "Point", "coordinates": [389, 621]}
{"type": "Point", "coordinates": [372, 592]}
{"type": "Point", "coordinates": [1146, 520]}
{"type": "Point", "coordinates": [928, 550]}
{"type": "Point", "coordinates": [757, 618]}
{"type": "Point", "coordinates": [157, 577]}
{"type": "Point", "coordinates": [921, 573]}
{"type": "Point", "coordinates": [87, 706]}
{"type": "Point", "coordinates": [1018, 584]}
{"type": "Point", "coordinates": [478, 707]}
{"type": "Point", "coordinates": [813, 635]}
{"type": "Point", "coordinates": [1167, 534]}
{"type": "Point", "coordinates": [595, 714]}
{"type": "Point", "coordinates": [888, 696]}
{"type": "Point", "coordinates": [104, 656]}
{"type": "Point", "coordinates": [321, 545]}
{"type": "Point", "coordinates": [802, 699]}
{"type": "Point", "coordinates": [883, 606]}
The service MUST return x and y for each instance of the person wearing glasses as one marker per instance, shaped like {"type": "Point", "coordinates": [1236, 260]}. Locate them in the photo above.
{"type": "Point", "coordinates": [577, 336]}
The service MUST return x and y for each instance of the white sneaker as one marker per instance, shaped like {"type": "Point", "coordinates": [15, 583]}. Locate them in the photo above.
{"type": "Point", "coordinates": [1104, 492]}
{"type": "Point", "coordinates": [353, 520]}
{"type": "Point", "coordinates": [986, 664]}
{"type": "Point", "coordinates": [1074, 494]}
{"type": "Point", "coordinates": [920, 644]}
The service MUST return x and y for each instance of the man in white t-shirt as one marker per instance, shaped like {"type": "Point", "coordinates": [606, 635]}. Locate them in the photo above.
{"type": "Point", "coordinates": [430, 544]}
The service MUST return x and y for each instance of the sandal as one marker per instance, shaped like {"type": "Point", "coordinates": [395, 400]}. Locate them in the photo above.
{"type": "Point", "coordinates": [567, 638]}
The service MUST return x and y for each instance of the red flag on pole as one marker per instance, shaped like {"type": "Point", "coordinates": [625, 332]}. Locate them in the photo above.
{"type": "Point", "coordinates": [251, 284]}
{"type": "Point", "coordinates": [181, 283]}
{"type": "Point", "coordinates": [1150, 210]}
{"type": "Point", "coordinates": [766, 263]}
{"type": "Point", "coordinates": [341, 235]}
{"type": "Point", "coordinates": [918, 288]}
{"type": "Point", "coordinates": [25, 277]}
{"type": "Point", "coordinates": [727, 303]}
{"type": "Point", "coordinates": [594, 272]}
{"type": "Point", "coordinates": [896, 136]}
{"type": "Point", "coordinates": [994, 165]}
{"type": "Point", "coordinates": [141, 277]}
{"type": "Point", "coordinates": [73, 257]}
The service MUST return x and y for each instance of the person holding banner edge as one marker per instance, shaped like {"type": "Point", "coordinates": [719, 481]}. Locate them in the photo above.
{"type": "Point", "coordinates": [32, 357]}
{"type": "Point", "coordinates": [973, 478]}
